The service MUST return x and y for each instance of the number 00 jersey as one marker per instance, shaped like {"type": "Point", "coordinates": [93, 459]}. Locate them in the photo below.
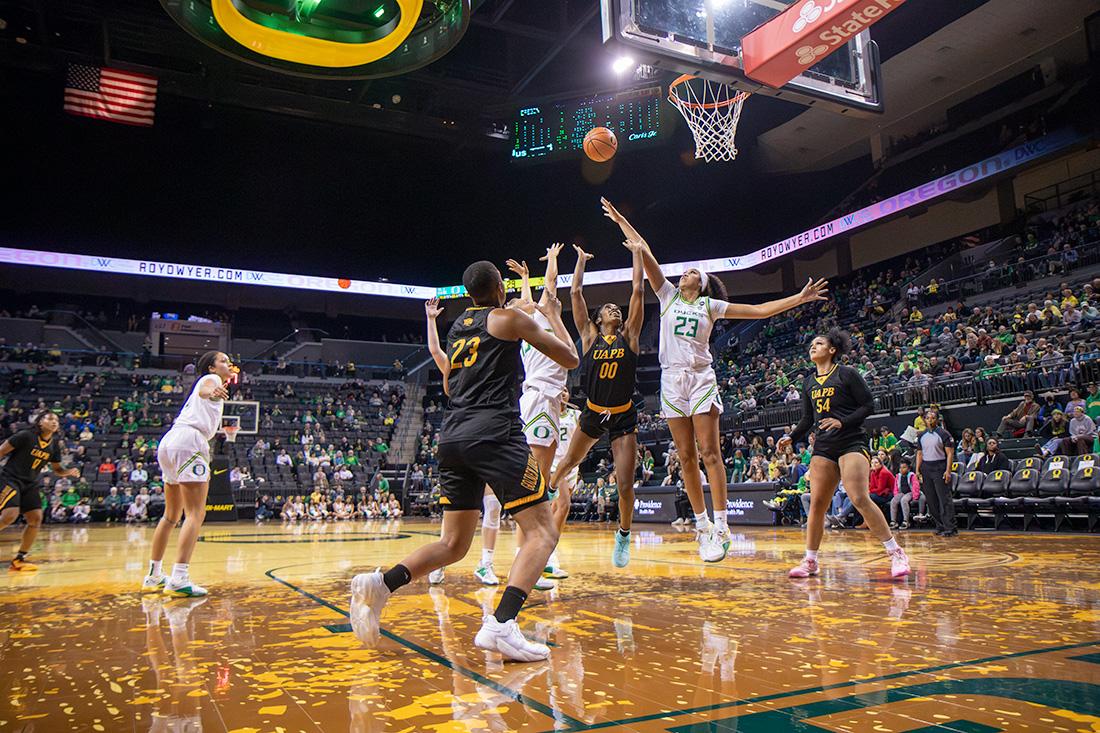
{"type": "Point", "coordinates": [841, 394]}
{"type": "Point", "coordinates": [610, 371]}
{"type": "Point", "coordinates": [484, 372]}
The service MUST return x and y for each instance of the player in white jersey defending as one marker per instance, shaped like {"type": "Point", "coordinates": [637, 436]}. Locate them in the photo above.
{"type": "Point", "coordinates": [567, 426]}
{"type": "Point", "coordinates": [490, 520]}
{"type": "Point", "coordinates": [543, 382]}
{"type": "Point", "coordinates": [184, 458]}
{"type": "Point", "coordinates": [690, 399]}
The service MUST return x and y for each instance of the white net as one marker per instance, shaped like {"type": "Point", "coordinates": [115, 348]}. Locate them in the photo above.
{"type": "Point", "coordinates": [231, 433]}
{"type": "Point", "coordinates": [712, 111]}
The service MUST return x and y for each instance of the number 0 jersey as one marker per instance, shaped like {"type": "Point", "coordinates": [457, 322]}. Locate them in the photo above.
{"type": "Point", "coordinates": [484, 373]}
{"type": "Point", "coordinates": [30, 455]}
{"type": "Point", "coordinates": [686, 327]}
{"type": "Point", "coordinates": [610, 371]}
{"type": "Point", "coordinates": [539, 370]}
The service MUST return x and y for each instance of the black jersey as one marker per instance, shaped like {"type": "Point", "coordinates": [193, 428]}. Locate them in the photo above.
{"type": "Point", "coordinates": [31, 454]}
{"type": "Point", "coordinates": [483, 382]}
{"type": "Point", "coordinates": [610, 371]}
{"type": "Point", "coordinates": [840, 394]}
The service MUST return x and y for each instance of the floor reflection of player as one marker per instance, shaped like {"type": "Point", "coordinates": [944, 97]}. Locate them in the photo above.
{"type": "Point", "coordinates": [176, 672]}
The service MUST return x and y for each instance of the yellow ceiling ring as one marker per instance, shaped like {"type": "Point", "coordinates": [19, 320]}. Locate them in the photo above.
{"type": "Point", "coordinates": [313, 51]}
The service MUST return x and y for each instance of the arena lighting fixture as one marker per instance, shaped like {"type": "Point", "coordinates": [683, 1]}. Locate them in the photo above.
{"type": "Point", "coordinates": [328, 39]}
{"type": "Point", "coordinates": [622, 64]}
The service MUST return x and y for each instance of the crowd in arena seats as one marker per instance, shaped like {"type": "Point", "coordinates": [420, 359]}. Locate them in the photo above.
{"type": "Point", "coordinates": [331, 438]}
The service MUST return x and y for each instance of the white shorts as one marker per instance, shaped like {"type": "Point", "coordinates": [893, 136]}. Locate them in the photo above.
{"type": "Point", "coordinates": [570, 481]}
{"type": "Point", "coordinates": [540, 415]}
{"type": "Point", "coordinates": [687, 392]}
{"type": "Point", "coordinates": [184, 456]}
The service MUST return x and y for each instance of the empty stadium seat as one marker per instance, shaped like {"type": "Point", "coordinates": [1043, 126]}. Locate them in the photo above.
{"type": "Point", "coordinates": [1034, 462]}
{"type": "Point", "coordinates": [1081, 497]}
{"type": "Point", "coordinates": [1024, 483]}
{"type": "Point", "coordinates": [1053, 483]}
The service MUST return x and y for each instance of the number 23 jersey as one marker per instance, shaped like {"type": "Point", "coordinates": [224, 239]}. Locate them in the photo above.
{"type": "Point", "coordinates": [686, 328]}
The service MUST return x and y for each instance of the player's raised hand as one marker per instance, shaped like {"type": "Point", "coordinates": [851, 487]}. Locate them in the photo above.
{"type": "Point", "coordinates": [432, 308]}
{"type": "Point", "coordinates": [784, 443]}
{"type": "Point", "coordinates": [221, 392]}
{"type": "Point", "coordinates": [581, 254]}
{"type": "Point", "coordinates": [550, 306]}
{"type": "Point", "coordinates": [635, 245]}
{"type": "Point", "coordinates": [520, 268]}
{"type": "Point", "coordinates": [552, 251]}
{"type": "Point", "coordinates": [818, 290]}
{"type": "Point", "coordinates": [611, 212]}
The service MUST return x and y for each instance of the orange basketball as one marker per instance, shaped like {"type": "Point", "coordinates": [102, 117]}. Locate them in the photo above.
{"type": "Point", "coordinates": [600, 144]}
{"type": "Point", "coordinates": [344, 283]}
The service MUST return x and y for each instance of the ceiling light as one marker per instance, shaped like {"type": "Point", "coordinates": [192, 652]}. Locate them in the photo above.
{"type": "Point", "coordinates": [622, 64]}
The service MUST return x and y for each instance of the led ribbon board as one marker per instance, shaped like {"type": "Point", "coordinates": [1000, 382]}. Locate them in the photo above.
{"type": "Point", "coordinates": [919, 196]}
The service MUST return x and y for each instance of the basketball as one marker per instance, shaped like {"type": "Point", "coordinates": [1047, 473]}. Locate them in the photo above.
{"type": "Point", "coordinates": [600, 144]}
{"type": "Point", "coordinates": [344, 283]}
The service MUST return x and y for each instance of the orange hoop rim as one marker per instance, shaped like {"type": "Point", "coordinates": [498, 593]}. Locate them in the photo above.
{"type": "Point", "coordinates": [230, 430]}
{"type": "Point", "coordinates": [684, 78]}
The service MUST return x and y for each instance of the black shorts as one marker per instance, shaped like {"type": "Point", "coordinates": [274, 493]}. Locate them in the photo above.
{"type": "Point", "coordinates": [507, 466]}
{"type": "Point", "coordinates": [14, 492]}
{"type": "Point", "coordinates": [595, 424]}
{"type": "Point", "coordinates": [833, 451]}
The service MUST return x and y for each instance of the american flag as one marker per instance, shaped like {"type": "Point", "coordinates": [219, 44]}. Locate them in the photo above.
{"type": "Point", "coordinates": [110, 94]}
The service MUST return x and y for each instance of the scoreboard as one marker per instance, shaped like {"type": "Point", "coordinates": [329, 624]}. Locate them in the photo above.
{"type": "Point", "coordinates": [556, 131]}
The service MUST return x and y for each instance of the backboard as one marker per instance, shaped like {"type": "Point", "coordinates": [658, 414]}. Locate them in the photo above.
{"type": "Point", "coordinates": [245, 414]}
{"type": "Point", "coordinates": [703, 37]}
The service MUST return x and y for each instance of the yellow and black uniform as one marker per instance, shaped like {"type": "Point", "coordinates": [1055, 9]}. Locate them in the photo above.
{"type": "Point", "coordinates": [610, 377]}
{"type": "Point", "coordinates": [481, 441]}
{"type": "Point", "coordinates": [19, 477]}
{"type": "Point", "coordinates": [841, 394]}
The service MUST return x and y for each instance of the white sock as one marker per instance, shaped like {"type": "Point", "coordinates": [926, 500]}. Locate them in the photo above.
{"type": "Point", "coordinates": [486, 556]}
{"type": "Point", "coordinates": [891, 545]}
{"type": "Point", "coordinates": [701, 521]}
{"type": "Point", "coordinates": [154, 568]}
{"type": "Point", "coordinates": [180, 571]}
{"type": "Point", "coordinates": [811, 554]}
{"type": "Point", "coordinates": [552, 561]}
{"type": "Point", "coordinates": [720, 518]}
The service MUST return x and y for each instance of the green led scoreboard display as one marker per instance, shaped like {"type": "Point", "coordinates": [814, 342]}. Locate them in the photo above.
{"type": "Point", "coordinates": [556, 131]}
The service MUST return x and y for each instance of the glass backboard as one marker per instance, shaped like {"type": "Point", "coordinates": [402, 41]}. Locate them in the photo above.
{"type": "Point", "coordinates": [703, 37]}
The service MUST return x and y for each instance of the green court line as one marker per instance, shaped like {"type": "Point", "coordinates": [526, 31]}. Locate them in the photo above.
{"type": "Point", "coordinates": [821, 688]}
{"type": "Point", "coordinates": [477, 677]}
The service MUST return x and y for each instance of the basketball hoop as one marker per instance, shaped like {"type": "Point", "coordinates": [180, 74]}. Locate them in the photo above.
{"type": "Point", "coordinates": [712, 111]}
{"type": "Point", "coordinates": [231, 433]}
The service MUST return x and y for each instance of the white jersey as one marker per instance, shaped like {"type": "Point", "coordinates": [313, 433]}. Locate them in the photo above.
{"type": "Point", "coordinates": [203, 415]}
{"type": "Point", "coordinates": [567, 423]}
{"type": "Point", "coordinates": [539, 370]}
{"type": "Point", "coordinates": [685, 328]}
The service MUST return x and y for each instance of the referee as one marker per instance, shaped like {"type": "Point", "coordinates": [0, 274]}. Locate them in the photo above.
{"type": "Point", "coordinates": [935, 454]}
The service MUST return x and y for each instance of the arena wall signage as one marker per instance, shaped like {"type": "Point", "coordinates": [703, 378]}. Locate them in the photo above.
{"type": "Point", "coordinates": [917, 196]}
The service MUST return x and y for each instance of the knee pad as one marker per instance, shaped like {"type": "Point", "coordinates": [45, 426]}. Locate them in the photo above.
{"type": "Point", "coordinates": [491, 519]}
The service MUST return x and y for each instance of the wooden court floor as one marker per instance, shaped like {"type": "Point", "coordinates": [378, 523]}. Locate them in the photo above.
{"type": "Point", "coordinates": [993, 632]}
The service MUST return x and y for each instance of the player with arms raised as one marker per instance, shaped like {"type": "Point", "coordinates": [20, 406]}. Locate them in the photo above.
{"type": "Point", "coordinates": [610, 347]}
{"type": "Point", "coordinates": [482, 442]}
{"type": "Point", "coordinates": [690, 400]}
{"type": "Point", "coordinates": [835, 402]}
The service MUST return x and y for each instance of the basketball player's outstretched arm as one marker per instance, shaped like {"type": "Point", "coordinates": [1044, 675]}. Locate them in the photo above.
{"type": "Point", "coordinates": [585, 327]}
{"type": "Point", "coordinates": [510, 324]}
{"type": "Point", "coordinates": [550, 286]}
{"type": "Point", "coordinates": [652, 268]}
{"type": "Point", "coordinates": [633, 325]}
{"type": "Point", "coordinates": [811, 292]}
{"type": "Point", "coordinates": [439, 356]}
{"type": "Point", "coordinates": [211, 391]}
{"type": "Point", "coordinates": [520, 268]}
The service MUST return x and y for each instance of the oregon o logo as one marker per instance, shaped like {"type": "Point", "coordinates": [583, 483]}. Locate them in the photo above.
{"type": "Point", "coordinates": [541, 431]}
{"type": "Point", "coordinates": [199, 469]}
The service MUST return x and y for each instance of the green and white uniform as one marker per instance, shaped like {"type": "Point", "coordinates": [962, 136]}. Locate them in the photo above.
{"type": "Point", "coordinates": [688, 384]}
{"type": "Point", "coordinates": [543, 382]}
{"type": "Point", "coordinates": [566, 427]}
{"type": "Point", "coordinates": [184, 451]}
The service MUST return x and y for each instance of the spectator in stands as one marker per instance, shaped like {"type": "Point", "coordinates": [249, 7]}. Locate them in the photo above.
{"type": "Point", "coordinates": [1049, 405]}
{"type": "Point", "coordinates": [882, 485]}
{"type": "Point", "coordinates": [967, 447]}
{"type": "Point", "coordinates": [1021, 418]}
{"type": "Point", "coordinates": [138, 511]}
{"type": "Point", "coordinates": [1092, 402]}
{"type": "Point", "coordinates": [935, 453]}
{"type": "Point", "coordinates": [70, 498]}
{"type": "Point", "coordinates": [1082, 433]}
{"type": "Point", "coordinates": [1054, 432]}
{"type": "Point", "coordinates": [906, 491]}
{"type": "Point", "coordinates": [113, 504]}
{"type": "Point", "coordinates": [139, 476]}
{"type": "Point", "coordinates": [264, 508]}
{"type": "Point", "coordinates": [58, 512]}
{"type": "Point", "coordinates": [394, 508]}
{"type": "Point", "coordinates": [992, 459]}
{"type": "Point", "coordinates": [82, 512]}
{"type": "Point", "coordinates": [108, 469]}
{"type": "Point", "coordinates": [1075, 400]}
{"type": "Point", "coordinates": [646, 465]}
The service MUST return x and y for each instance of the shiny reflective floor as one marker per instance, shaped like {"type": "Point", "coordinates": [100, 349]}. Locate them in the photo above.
{"type": "Point", "coordinates": [992, 632]}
